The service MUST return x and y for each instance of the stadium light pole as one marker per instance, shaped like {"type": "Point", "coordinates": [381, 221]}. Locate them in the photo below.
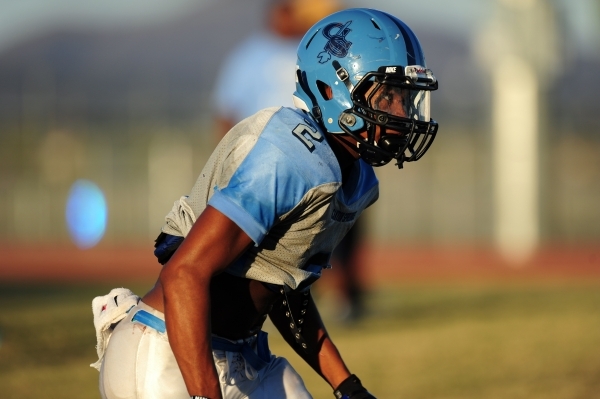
{"type": "Point", "coordinates": [515, 154]}
{"type": "Point", "coordinates": [518, 47]}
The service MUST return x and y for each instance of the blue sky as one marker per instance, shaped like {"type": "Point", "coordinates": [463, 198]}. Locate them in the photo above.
{"type": "Point", "coordinates": [21, 19]}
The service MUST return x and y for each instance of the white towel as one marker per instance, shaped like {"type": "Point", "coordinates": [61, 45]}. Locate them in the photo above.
{"type": "Point", "coordinates": [181, 218]}
{"type": "Point", "coordinates": [110, 309]}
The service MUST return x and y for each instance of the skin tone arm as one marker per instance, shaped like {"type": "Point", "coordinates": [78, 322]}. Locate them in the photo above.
{"type": "Point", "coordinates": [183, 294]}
{"type": "Point", "coordinates": [222, 126]}
{"type": "Point", "coordinates": [325, 359]}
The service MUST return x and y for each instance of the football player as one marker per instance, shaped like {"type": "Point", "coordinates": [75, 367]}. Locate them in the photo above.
{"type": "Point", "coordinates": [258, 227]}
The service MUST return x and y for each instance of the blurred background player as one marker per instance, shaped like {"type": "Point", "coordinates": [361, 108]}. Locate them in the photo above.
{"type": "Point", "coordinates": [256, 75]}
{"type": "Point", "coordinates": [259, 72]}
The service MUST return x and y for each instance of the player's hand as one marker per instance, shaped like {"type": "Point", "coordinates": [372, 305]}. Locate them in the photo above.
{"type": "Point", "coordinates": [351, 388]}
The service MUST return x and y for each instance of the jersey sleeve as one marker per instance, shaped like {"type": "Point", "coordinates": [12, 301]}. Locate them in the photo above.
{"type": "Point", "coordinates": [264, 187]}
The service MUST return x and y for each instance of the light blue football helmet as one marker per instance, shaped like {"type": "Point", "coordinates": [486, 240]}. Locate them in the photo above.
{"type": "Point", "coordinates": [356, 53]}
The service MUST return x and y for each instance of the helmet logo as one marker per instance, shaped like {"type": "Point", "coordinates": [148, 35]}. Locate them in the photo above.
{"type": "Point", "coordinates": [336, 44]}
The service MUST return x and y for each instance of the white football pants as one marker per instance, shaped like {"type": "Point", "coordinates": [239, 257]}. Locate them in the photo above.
{"type": "Point", "coordinates": [139, 364]}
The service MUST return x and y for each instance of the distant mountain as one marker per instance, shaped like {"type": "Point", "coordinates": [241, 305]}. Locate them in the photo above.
{"type": "Point", "coordinates": [101, 73]}
{"type": "Point", "coordinates": [168, 71]}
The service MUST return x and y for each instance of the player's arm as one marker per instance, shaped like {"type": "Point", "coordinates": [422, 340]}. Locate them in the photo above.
{"type": "Point", "coordinates": [212, 244]}
{"type": "Point", "coordinates": [322, 354]}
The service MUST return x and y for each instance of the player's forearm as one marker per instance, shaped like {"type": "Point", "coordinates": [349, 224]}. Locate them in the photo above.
{"type": "Point", "coordinates": [321, 354]}
{"type": "Point", "coordinates": [332, 367]}
{"type": "Point", "coordinates": [211, 245]}
{"type": "Point", "coordinates": [187, 316]}
{"type": "Point", "coordinates": [327, 360]}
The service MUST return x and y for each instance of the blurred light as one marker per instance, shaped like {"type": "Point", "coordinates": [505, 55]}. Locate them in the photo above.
{"type": "Point", "coordinates": [86, 213]}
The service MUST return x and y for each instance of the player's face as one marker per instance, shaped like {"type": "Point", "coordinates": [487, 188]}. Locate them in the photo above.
{"type": "Point", "coordinates": [390, 99]}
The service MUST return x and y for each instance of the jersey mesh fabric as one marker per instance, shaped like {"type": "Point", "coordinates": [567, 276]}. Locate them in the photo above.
{"type": "Point", "coordinates": [284, 191]}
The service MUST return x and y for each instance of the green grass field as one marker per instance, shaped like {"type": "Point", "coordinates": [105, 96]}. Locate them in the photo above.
{"type": "Point", "coordinates": [429, 341]}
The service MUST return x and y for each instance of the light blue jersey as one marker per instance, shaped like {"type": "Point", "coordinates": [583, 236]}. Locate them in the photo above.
{"type": "Point", "coordinates": [275, 175]}
{"type": "Point", "coordinates": [259, 73]}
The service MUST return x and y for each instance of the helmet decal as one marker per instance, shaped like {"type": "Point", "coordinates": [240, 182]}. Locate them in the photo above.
{"type": "Point", "coordinates": [336, 42]}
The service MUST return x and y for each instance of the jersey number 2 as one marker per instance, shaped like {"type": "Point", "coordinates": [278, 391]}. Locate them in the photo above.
{"type": "Point", "coordinates": [304, 133]}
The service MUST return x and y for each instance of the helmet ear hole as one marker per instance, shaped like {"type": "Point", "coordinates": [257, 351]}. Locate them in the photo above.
{"type": "Point", "coordinates": [325, 90]}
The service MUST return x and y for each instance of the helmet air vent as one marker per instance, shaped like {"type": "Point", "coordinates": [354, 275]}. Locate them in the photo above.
{"type": "Point", "coordinates": [375, 24]}
{"type": "Point", "coordinates": [312, 37]}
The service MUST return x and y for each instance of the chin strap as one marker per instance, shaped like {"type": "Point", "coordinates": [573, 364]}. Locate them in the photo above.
{"type": "Point", "coordinates": [371, 156]}
{"type": "Point", "coordinates": [343, 75]}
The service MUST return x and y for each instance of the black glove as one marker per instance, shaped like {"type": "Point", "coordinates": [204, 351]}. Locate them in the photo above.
{"type": "Point", "coordinates": [351, 388]}
{"type": "Point", "coordinates": [166, 245]}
